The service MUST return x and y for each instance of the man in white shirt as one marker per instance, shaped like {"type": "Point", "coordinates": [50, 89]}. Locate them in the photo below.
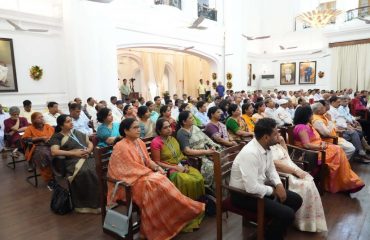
{"type": "Point", "coordinates": [270, 108]}
{"type": "Point", "coordinates": [3, 116]}
{"type": "Point", "coordinates": [80, 121]}
{"type": "Point", "coordinates": [90, 107]}
{"type": "Point", "coordinates": [201, 114]}
{"type": "Point", "coordinates": [27, 110]}
{"type": "Point", "coordinates": [317, 97]}
{"type": "Point", "coordinates": [350, 133]}
{"type": "Point", "coordinates": [214, 103]}
{"type": "Point", "coordinates": [253, 169]}
{"type": "Point", "coordinates": [50, 117]}
{"type": "Point", "coordinates": [282, 115]}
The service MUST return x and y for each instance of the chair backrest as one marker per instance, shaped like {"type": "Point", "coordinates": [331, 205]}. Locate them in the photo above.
{"type": "Point", "coordinates": [147, 142]}
{"type": "Point", "coordinates": [223, 162]}
{"type": "Point", "coordinates": [290, 134]}
{"type": "Point", "coordinates": [102, 155]}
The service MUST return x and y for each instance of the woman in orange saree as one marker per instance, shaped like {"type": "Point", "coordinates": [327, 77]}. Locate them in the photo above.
{"type": "Point", "coordinates": [164, 210]}
{"type": "Point", "coordinates": [341, 178]}
{"type": "Point", "coordinates": [39, 134]}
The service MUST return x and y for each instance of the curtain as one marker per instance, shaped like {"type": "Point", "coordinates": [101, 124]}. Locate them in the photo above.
{"type": "Point", "coordinates": [350, 66]}
{"type": "Point", "coordinates": [145, 77]}
{"type": "Point", "coordinates": [179, 73]}
{"type": "Point", "coordinates": [158, 70]}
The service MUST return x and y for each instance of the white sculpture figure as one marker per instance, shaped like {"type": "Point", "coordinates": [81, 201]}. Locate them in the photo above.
{"type": "Point", "coordinates": [288, 74]}
{"type": "Point", "coordinates": [3, 75]}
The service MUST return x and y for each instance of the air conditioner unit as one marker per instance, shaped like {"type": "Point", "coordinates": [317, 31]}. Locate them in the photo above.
{"type": "Point", "coordinates": [268, 76]}
{"type": "Point", "coordinates": [101, 1]}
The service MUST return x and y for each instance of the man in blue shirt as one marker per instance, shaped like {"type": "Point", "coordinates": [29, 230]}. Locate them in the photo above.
{"type": "Point", "coordinates": [220, 89]}
{"type": "Point", "coordinates": [201, 114]}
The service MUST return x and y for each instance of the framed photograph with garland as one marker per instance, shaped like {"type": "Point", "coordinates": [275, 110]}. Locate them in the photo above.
{"type": "Point", "coordinates": [8, 77]}
{"type": "Point", "coordinates": [307, 72]}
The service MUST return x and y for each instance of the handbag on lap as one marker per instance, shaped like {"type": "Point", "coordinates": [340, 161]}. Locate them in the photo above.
{"type": "Point", "coordinates": [115, 221]}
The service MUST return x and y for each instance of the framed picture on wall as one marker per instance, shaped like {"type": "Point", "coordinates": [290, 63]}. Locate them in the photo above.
{"type": "Point", "coordinates": [307, 72]}
{"type": "Point", "coordinates": [249, 72]}
{"type": "Point", "coordinates": [287, 73]}
{"type": "Point", "coordinates": [8, 77]}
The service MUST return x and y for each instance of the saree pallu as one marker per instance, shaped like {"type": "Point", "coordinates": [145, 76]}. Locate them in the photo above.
{"type": "Point", "coordinates": [164, 210]}
{"type": "Point", "coordinates": [340, 176]}
{"type": "Point", "coordinates": [249, 121]}
{"type": "Point", "coordinates": [82, 173]}
{"type": "Point", "coordinates": [190, 184]}
{"type": "Point", "coordinates": [235, 125]}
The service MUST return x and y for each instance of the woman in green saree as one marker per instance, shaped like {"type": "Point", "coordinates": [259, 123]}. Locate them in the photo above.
{"type": "Point", "coordinates": [75, 148]}
{"type": "Point", "coordinates": [166, 152]}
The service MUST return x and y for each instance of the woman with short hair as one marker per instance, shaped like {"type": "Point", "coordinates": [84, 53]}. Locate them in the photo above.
{"type": "Point", "coordinates": [108, 131]}
{"type": "Point", "coordinates": [14, 127]}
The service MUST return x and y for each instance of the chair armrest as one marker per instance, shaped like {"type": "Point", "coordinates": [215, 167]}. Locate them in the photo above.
{"type": "Point", "coordinates": [333, 138]}
{"type": "Point", "coordinates": [195, 162]}
{"type": "Point", "coordinates": [240, 191]}
{"type": "Point", "coordinates": [284, 179]}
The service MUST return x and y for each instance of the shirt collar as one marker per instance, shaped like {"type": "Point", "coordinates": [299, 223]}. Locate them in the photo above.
{"type": "Point", "coordinates": [259, 147]}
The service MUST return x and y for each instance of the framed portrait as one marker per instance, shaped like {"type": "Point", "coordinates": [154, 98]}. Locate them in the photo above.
{"type": "Point", "coordinates": [307, 72]}
{"type": "Point", "coordinates": [249, 72]}
{"type": "Point", "coordinates": [287, 73]}
{"type": "Point", "coordinates": [8, 77]}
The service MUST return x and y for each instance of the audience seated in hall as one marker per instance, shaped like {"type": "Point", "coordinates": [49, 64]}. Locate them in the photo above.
{"type": "Point", "coordinates": [252, 176]}
{"type": "Point", "coordinates": [75, 149]}
{"type": "Point", "coordinates": [352, 131]}
{"type": "Point", "coordinates": [14, 127]}
{"type": "Point", "coordinates": [165, 113]}
{"type": "Point", "coordinates": [79, 119]}
{"type": "Point", "coordinates": [340, 177]}
{"type": "Point", "coordinates": [193, 142]}
{"type": "Point", "coordinates": [27, 110]}
{"type": "Point", "coordinates": [282, 115]}
{"type": "Point", "coordinates": [147, 126]}
{"type": "Point", "coordinates": [153, 114]}
{"type": "Point", "coordinates": [152, 191]}
{"type": "Point", "coordinates": [201, 114]}
{"type": "Point", "coordinates": [235, 124]}
{"type": "Point", "coordinates": [39, 134]}
{"type": "Point", "coordinates": [321, 121]}
{"type": "Point", "coordinates": [310, 217]}
{"type": "Point", "coordinates": [108, 131]}
{"type": "Point", "coordinates": [166, 153]}
{"type": "Point", "coordinates": [50, 117]}
{"type": "Point", "coordinates": [259, 109]}
{"type": "Point", "coordinates": [90, 107]}
{"type": "Point", "coordinates": [216, 130]}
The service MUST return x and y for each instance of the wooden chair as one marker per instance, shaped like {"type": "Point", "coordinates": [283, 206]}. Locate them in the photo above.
{"type": "Point", "coordinates": [102, 156]}
{"type": "Point", "coordinates": [147, 142]}
{"type": "Point", "coordinates": [308, 160]}
{"type": "Point", "coordinates": [222, 168]}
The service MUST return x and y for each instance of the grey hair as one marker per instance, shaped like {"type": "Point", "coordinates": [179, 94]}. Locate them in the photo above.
{"type": "Point", "coordinates": [315, 107]}
{"type": "Point", "coordinates": [14, 109]}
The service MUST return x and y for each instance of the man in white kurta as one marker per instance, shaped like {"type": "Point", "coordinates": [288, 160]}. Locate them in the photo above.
{"type": "Point", "coordinates": [253, 171]}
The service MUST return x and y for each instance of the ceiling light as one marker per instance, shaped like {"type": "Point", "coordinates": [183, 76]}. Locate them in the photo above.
{"type": "Point", "coordinates": [319, 17]}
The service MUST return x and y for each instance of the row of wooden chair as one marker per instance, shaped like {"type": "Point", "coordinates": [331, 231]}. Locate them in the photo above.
{"type": "Point", "coordinates": [222, 167]}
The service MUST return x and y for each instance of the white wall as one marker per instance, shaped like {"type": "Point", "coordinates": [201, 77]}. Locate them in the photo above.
{"type": "Point", "coordinates": [46, 51]}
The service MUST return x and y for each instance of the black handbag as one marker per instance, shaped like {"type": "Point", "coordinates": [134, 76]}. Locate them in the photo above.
{"type": "Point", "coordinates": [61, 202]}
